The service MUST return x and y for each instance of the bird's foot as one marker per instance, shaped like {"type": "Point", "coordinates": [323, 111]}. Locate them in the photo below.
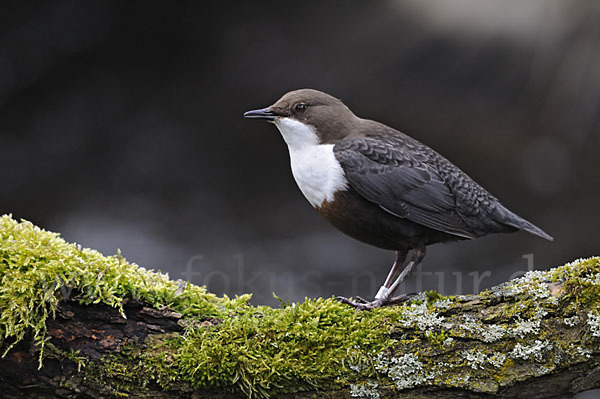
{"type": "Point", "coordinates": [362, 304]}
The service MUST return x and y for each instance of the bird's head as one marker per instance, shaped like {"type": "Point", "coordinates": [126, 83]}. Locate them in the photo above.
{"type": "Point", "coordinates": [302, 114]}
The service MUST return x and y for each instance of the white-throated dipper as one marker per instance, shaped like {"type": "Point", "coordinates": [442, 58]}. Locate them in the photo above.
{"type": "Point", "coordinates": [381, 186]}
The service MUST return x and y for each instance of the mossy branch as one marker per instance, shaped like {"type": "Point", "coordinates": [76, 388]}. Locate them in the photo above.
{"type": "Point", "coordinates": [76, 324]}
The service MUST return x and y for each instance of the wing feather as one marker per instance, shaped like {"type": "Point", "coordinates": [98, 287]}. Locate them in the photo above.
{"type": "Point", "coordinates": [402, 180]}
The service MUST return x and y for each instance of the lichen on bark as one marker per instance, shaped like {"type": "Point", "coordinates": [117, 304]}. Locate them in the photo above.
{"type": "Point", "coordinates": [100, 326]}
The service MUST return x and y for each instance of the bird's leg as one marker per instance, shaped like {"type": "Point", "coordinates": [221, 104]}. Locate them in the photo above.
{"type": "Point", "coordinates": [385, 288]}
{"type": "Point", "coordinates": [384, 296]}
{"type": "Point", "coordinates": [417, 258]}
{"type": "Point", "coordinates": [361, 303]}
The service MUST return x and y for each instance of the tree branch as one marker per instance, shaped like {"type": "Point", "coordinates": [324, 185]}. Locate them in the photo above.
{"type": "Point", "coordinates": [532, 337]}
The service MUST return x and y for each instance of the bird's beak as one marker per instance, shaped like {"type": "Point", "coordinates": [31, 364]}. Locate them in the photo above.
{"type": "Point", "coordinates": [264, 113]}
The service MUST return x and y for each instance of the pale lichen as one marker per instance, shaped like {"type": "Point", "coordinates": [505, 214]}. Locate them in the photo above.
{"type": "Point", "coordinates": [587, 353]}
{"type": "Point", "coordinates": [460, 380]}
{"type": "Point", "coordinates": [442, 303]}
{"type": "Point", "coordinates": [532, 283]}
{"type": "Point", "coordinates": [478, 360]}
{"type": "Point", "coordinates": [419, 316]}
{"type": "Point", "coordinates": [594, 323]}
{"type": "Point", "coordinates": [405, 371]}
{"type": "Point", "coordinates": [475, 359]}
{"type": "Point", "coordinates": [497, 359]}
{"type": "Point", "coordinates": [366, 390]}
{"type": "Point", "coordinates": [571, 321]}
{"type": "Point", "coordinates": [594, 279]}
{"type": "Point", "coordinates": [486, 332]}
{"type": "Point", "coordinates": [529, 326]}
{"type": "Point", "coordinates": [534, 351]}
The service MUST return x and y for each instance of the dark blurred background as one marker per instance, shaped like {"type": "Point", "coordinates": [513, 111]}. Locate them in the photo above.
{"type": "Point", "coordinates": [121, 127]}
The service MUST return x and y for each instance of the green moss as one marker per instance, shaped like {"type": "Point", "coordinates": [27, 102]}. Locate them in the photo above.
{"type": "Point", "coordinates": [477, 343]}
{"type": "Point", "coordinates": [318, 343]}
{"type": "Point", "coordinates": [38, 269]}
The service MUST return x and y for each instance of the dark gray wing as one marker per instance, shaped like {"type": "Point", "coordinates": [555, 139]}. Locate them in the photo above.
{"type": "Point", "coordinates": [410, 180]}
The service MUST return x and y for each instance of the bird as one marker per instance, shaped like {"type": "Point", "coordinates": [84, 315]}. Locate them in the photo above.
{"type": "Point", "coordinates": [381, 186]}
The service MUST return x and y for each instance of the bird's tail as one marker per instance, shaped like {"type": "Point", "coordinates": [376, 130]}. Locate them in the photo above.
{"type": "Point", "coordinates": [514, 220]}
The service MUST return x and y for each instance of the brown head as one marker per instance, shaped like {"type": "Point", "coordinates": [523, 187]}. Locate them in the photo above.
{"type": "Point", "coordinates": [327, 115]}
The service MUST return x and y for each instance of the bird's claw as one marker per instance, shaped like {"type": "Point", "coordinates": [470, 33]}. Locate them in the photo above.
{"type": "Point", "coordinates": [362, 304]}
{"type": "Point", "coordinates": [400, 298]}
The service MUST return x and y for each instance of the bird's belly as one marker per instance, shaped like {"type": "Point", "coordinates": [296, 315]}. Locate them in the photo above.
{"type": "Point", "coordinates": [366, 222]}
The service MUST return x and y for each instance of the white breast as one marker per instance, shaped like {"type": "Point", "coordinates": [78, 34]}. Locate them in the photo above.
{"type": "Point", "coordinates": [314, 166]}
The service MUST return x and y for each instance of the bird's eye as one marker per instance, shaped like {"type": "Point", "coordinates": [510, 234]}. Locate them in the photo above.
{"type": "Point", "coordinates": [301, 107]}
